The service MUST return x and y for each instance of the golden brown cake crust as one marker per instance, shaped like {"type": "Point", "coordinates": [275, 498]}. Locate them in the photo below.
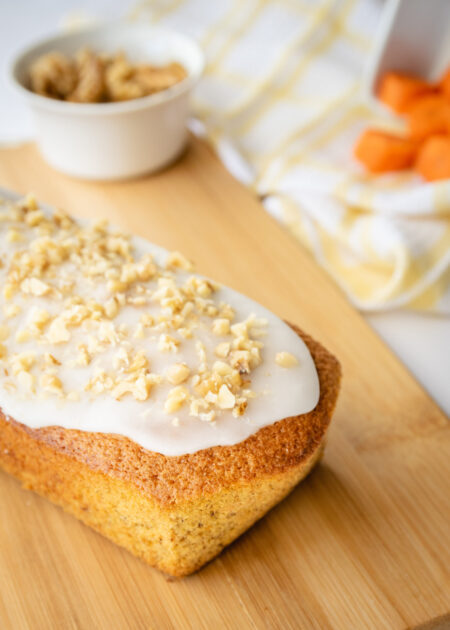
{"type": "Point", "coordinates": [169, 480]}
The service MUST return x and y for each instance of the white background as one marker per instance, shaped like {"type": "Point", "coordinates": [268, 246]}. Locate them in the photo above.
{"type": "Point", "coordinates": [422, 342]}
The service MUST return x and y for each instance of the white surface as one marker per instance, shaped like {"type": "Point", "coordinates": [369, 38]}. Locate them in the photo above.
{"type": "Point", "coordinates": [422, 342]}
{"type": "Point", "coordinates": [113, 140]}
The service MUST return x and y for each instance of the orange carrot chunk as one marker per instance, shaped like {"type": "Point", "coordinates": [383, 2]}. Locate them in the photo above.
{"type": "Point", "coordinates": [398, 91]}
{"type": "Point", "coordinates": [381, 152]}
{"type": "Point", "coordinates": [433, 160]}
{"type": "Point", "coordinates": [429, 116]}
{"type": "Point", "coordinates": [444, 84]}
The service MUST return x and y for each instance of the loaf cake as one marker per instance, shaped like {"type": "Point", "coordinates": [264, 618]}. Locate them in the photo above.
{"type": "Point", "coordinates": [163, 410]}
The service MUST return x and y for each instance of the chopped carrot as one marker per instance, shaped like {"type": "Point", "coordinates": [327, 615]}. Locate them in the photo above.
{"type": "Point", "coordinates": [398, 91]}
{"type": "Point", "coordinates": [381, 152]}
{"type": "Point", "coordinates": [428, 116]}
{"type": "Point", "coordinates": [444, 84]}
{"type": "Point", "coordinates": [433, 160]}
{"type": "Point", "coordinates": [426, 107]}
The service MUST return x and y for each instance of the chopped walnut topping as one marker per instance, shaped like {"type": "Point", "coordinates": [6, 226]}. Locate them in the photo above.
{"type": "Point", "coordinates": [51, 383]}
{"type": "Point", "coordinates": [83, 357]}
{"type": "Point", "coordinates": [225, 399]}
{"type": "Point", "coordinates": [139, 332]}
{"type": "Point", "coordinates": [147, 320]}
{"type": "Point", "coordinates": [112, 307]}
{"type": "Point", "coordinates": [167, 343]}
{"type": "Point", "coordinates": [176, 399]}
{"type": "Point", "coordinates": [87, 301]}
{"type": "Point", "coordinates": [49, 359]}
{"type": "Point", "coordinates": [139, 388]}
{"type": "Point", "coordinates": [11, 310]}
{"type": "Point", "coordinates": [26, 380]}
{"type": "Point", "coordinates": [33, 218]}
{"type": "Point", "coordinates": [57, 332]}
{"type": "Point", "coordinates": [221, 326]}
{"type": "Point", "coordinates": [223, 349]}
{"type": "Point", "coordinates": [198, 406]}
{"type": "Point", "coordinates": [8, 290]}
{"type": "Point", "coordinates": [177, 260]}
{"type": "Point", "coordinates": [37, 319]}
{"type": "Point", "coordinates": [177, 373]}
{"type": "Point", "coordinates": [22, 335]}
{"type": "Point", "coordinates": [22, 362]}
{"type": "Point", "coordinates": [13, 236]}
{"type": "Point", "coordinates": [226, 311]}
{"type": "Point", "coordinates": [286, 360]}
{"type": "Point", "coordinates": [34, 286]}
{"type": "Point", "coordinates": [208, 416]}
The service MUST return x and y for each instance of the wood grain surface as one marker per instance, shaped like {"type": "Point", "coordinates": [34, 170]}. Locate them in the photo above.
{"type": "Point", "coordinates": [362, 543]}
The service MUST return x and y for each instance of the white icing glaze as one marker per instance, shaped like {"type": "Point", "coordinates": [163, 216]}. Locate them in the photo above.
{"type": "Point", "coordinates": [280, 392]}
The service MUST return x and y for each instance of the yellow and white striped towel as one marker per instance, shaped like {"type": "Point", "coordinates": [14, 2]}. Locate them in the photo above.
{"type": "Point", "coordinates": [281, 100]}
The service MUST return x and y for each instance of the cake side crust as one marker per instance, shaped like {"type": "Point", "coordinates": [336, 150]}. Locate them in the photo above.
{"type": "Point", "coordinates": [274, 449]}
{"type": "Point", "coordinates": [176, 513]}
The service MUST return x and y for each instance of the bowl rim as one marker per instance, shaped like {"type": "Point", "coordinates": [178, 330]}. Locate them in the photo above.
{"type": "Point", "coordinates": [118, 107]}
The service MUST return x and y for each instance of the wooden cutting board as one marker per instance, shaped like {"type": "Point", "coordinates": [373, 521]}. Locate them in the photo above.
{"type": "Point", "coordinates": [362, 543]}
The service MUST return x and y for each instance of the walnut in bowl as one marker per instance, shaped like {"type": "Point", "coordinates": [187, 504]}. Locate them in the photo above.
{"type": "Point", "coordinates": [91, 77]}
{"type": "Point", "coordinates": [102, 114]}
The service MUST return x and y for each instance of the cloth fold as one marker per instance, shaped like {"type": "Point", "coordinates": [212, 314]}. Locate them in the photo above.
{"type": "Point", "coordinates": [282, 102]}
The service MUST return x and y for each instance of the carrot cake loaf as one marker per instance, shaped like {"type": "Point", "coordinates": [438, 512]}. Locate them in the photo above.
{"type": "Point", "coordinates": [166, 411]}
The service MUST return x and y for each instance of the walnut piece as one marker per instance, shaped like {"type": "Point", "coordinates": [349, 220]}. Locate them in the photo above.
{"type": "Point", "coordinates": [286, 359]}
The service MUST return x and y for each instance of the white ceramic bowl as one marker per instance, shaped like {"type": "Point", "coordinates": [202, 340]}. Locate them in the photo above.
{"type": "Point", "coordinates": [114, 140]}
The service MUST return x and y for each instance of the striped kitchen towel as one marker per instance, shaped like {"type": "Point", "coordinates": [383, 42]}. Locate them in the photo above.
{"type": "Point", "coordinates": [281, 101]}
